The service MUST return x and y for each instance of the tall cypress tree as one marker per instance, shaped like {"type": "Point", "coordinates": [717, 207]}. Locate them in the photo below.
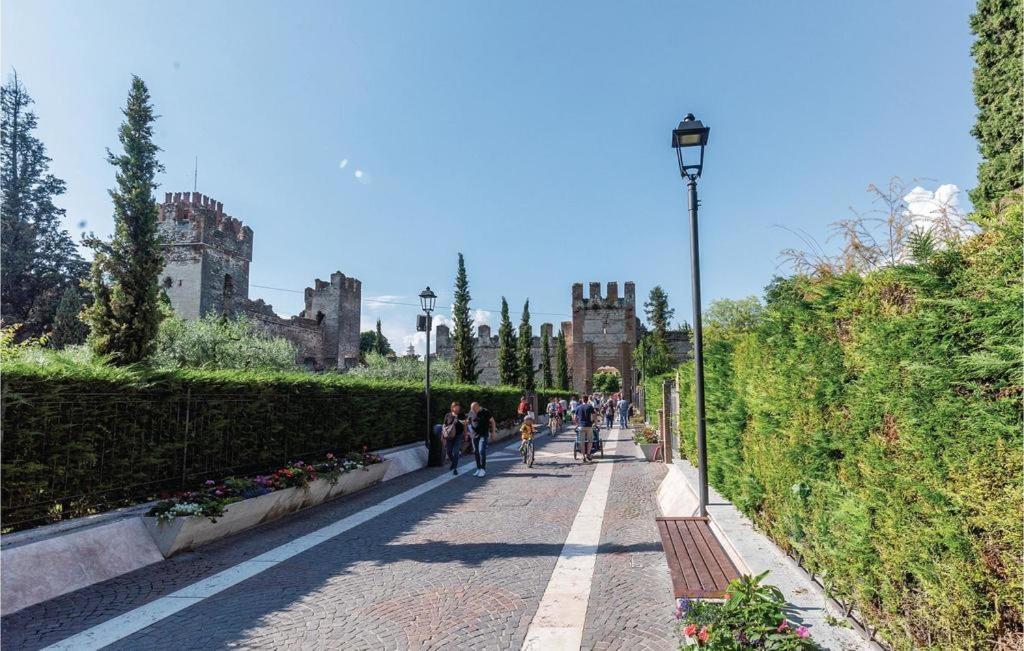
{"type": "Point", "coordinates": [999, 127]}
{"type": "Point", "coordinates": [125, 313]}
{"type": "Point", "coordinates": [462, 335]}
{"type": "Point", "coordinates": [659, 314]}
{"type": "Point", "coordinates": [562, 355]}
{"type": "Point", "coordinates": [545, 361]}
{"type": "Point", "coordinates": [508, 366]}
{"type": "Point", "coordinates": [525, 356]}
{"type": "Point", "coordinates": [40, 260]}
{"type": "Point", "coordinates": [381, 344]}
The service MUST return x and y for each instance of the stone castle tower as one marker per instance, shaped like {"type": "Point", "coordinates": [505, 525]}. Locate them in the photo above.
{"type": "Point", "coordinates": [602, 333]}
{"type": "Point", "coordinates": [207, 256]}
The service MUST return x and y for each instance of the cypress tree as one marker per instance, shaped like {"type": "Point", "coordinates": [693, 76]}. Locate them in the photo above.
{"type": "Point", "coordinates": [525, 356]}
{"type": "Point", "coordinates": [545, 360]}
{"type": "Point", "coordinates": [125, 313]}
{"type": "Point", "coordinates": [508, 369]}
{"type": "Point", "coordinates": [659, 314]}
{"type": "Point", "coordinates": [462, 335]}
{"type": "Point", "coordinates": [68, 327]}
{"type": "Point", "coordinates": [40, 260]}
{"type": "Point", "coordinates": [562, 354]}
{"type": "Point", "coordinates": [999, 95]}
{"type": "Point", "coordinates": [380, 342]}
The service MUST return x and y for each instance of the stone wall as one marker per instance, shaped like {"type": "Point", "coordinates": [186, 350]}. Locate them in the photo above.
{"type": "Point", "coordinates": [680, 347]}
{"type": "Point", "coordinates": [207, 255]}
{"type": "Point", "coordinates": [603, 333]}
{"type": "Point", "coordinates": [486, 347]}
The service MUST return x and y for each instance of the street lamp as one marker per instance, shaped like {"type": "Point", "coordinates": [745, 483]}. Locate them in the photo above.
{"type": "Point", "coordinates": [427, 300]}
{"type": "Point", "coordinates": [692, 133]}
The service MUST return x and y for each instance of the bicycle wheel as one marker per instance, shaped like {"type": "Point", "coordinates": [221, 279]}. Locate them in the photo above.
{"type": "Point", "coordinates": [576, 450]}
{"type": "Point", "coordinates": [531, 452]}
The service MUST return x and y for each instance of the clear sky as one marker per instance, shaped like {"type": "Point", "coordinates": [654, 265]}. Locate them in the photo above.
{"type": "Point", "coordinates": [532, 136]}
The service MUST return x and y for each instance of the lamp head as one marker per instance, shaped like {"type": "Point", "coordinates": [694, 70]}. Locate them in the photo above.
{"type": "Point", "coordinates": [427, 299]}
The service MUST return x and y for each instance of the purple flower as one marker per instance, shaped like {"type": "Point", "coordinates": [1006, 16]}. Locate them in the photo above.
{"type": "Point", "coordinates": [210, 482]}
{"type": "Point", "coordinates": [802, 632]}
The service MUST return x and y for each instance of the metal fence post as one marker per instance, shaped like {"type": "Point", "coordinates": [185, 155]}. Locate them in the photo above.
{"type": "Point", "coordinates": [666, 407]}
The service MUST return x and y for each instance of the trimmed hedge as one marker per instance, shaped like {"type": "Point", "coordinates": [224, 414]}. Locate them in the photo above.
{"type": "Point", "coordinates": [81, 439]}
{"type": "Point", "coordinates": [873, 426]}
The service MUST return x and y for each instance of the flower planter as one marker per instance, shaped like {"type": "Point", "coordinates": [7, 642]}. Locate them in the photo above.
{"type": "Point", "coordinates": [184, 533]}
{"type": "Point", "coordinates": [649, 450]}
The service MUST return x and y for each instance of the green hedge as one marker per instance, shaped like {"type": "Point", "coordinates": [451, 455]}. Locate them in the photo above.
{"type": "Point", "coordinates": [873, 426]}
{"type": "Point", "coordinates": [78, 439]}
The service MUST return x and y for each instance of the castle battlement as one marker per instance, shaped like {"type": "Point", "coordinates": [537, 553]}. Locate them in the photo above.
{"type": "Point", "coordinates": [206, 220]}
{"type": "Point", "coordinates": [611, 298]}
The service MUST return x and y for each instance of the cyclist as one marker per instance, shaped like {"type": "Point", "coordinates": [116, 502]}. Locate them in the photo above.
{"type": "Point", "coordinates": [526, 447]}
{"type": "Point", "coordinates": [554, 422]}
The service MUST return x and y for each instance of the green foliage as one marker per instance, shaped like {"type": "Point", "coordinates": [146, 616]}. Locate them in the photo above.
{"type": "Point", "coordinates": [752, 616]}
{"type": "Point", "coordinates": [659, 314]}
{"type": "Point", "coordinates": [79, 438]}
{"type": "Point", "coordinates": [562, 355]}
{"type": "Point", "coordinates": [606, 382]}
{"type": "Point", "coordinates": [216, 342]}
{"type": "Point", "coordinates": [508, 366]}
{"type": "Point", "coordinates": [68, 327]}
{"type": "Point", "coordinates": [999, 94]}
{"type": "Point", "coordinates": [379, 367]}
{"type": "Point", "coordinates": [462, 328]}
{"type": "Point", "coordinates": [873, 425]}
{"type": "Point", "coordinates": [545, 361]}
{"type": "Point", "coordinates": [651, 355]}
{"type": "Point", "coordinates": [40, 260]}
{"type": "Point", "coordinates": [922, 245]}
{"type": "Point", "coordinates": [374, 341]}
{"type": "Point", "coordinates": [125, 313]}
{"type": "Point", "coordinates": [524, 355]}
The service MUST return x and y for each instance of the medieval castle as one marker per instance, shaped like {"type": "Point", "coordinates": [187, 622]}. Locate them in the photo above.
{"type": "Point", "coordinates": [207, 256]}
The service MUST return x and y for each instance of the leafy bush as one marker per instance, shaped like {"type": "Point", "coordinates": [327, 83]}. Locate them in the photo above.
{"type": "Point", "coordinates": [607, 382]}
{"type": "Point", "coordinates": [872, 424]}
{"type": "Point", "coordinates": [214, 342]}
{"type": "Point", "coordinates": [79, 438]}
{"type": "Point", "coordinates": [379, 367]}
{"type": "Point", "coordinates": [752, 616]}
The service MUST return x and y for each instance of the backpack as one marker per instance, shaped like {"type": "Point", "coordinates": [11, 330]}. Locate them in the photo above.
{"type": "Point", "coordinates": [448, 431]}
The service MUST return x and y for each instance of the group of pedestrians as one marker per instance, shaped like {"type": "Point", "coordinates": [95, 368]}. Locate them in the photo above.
{"type": "Point", "coordinates": [587, 413]}
{"type": "Point", "coordinates": [475, 428]}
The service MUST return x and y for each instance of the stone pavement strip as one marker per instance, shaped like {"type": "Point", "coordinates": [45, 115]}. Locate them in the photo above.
{"type": "Point", "coordinates": [457, 563]}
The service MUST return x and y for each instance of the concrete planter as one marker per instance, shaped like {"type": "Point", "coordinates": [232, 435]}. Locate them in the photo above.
{"type": "Point", "coordinates": [649, 450]}
{"type": "Point", "coordinates": [186, 533]}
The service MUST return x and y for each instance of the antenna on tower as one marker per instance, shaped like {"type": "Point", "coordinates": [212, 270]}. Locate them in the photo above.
{"type": "Point", "coordinates": [195, 177]}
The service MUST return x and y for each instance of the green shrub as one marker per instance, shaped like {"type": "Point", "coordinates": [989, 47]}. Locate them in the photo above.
{"type": "Point", "coordinates": [80, 438]}
{"type": "Point", "coordinates": [214, 342]}
{"type": "Point", "coordinates": [379, 367]}
{"type": "Point", "coordinates": [872, 424]}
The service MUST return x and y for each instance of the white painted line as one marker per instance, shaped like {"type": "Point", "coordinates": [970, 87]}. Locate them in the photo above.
{"type": "Point", "coordinates": [562, 613]}
{"type": "Point", "coordinates": [133, 621]}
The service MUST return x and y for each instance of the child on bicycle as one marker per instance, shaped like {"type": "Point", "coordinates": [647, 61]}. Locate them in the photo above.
{"type": "Point", "coordinates": [526, 432]}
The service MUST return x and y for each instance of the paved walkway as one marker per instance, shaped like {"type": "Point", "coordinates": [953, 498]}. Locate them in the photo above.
{"type": "Point", "coordinates": [502, 562]}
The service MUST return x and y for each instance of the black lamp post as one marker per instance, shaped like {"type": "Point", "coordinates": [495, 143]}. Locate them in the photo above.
{"type": "Point", "coordinates": [691, 133]}
{"type": "Point", "coordinates": [427, 300]}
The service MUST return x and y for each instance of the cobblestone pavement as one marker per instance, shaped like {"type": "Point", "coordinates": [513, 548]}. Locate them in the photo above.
{"type": "Point", "coordinates": [462, 566]}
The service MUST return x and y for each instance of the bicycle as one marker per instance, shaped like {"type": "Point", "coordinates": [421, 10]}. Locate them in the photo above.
{"type": "Point", "coordinates": [528, 452]}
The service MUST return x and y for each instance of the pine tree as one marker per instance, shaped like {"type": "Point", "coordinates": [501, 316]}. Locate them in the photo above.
{"type": "Point", "coordinates": [545, 361]}
{"type": "Point", "coordinates": [380, 342]}
{"type": "Point", "coordinates": [40, 259]}
{"type": "Point", "coordinates": [562, 354]}
{"type": "Point", "coordinates": [68, 327]}
{"type": "Point", "coordinates": [462, 335]}
{"type": "Point", "coordinates": [659, 314]}
{"type": "Point", "coordinates": [125, 312]}
{"type": "Point", "coordinates": [508, 366]}
{"type": "Point", "coordinates": [525, 356]}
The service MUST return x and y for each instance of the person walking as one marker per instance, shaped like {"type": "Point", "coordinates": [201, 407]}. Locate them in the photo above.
{"type": "Point", "coordinates": [585, 420]}
{"type": "Point", "coordinates": [524, 409]}
{"type": "Point", "coordinates": [453, 431]}
{"type": "Point", "coordinates": [481, 421]}
{"type": "Point", "coordinates": [609, 413]}
{"type": "Point", "coordinates": [623, 412]}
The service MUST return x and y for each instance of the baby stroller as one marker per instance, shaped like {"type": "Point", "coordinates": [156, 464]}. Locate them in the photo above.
{"type": "Point", "coordinates": [595, 445]}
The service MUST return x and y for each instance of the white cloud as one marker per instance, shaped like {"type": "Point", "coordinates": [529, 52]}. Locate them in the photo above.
{"type": "Point", "coordinates": [939, 210]}
{"type": "Point", "coordinates": [385, 302]}
{"type": "Point", "coordinates": [343, 164]}
{"type": "Point", "coordinates": [362, 177]}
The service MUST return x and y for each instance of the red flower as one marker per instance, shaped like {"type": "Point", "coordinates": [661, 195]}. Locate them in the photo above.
{"type": "Point", "coordinates": [690, 630]}
{"type": "Point", "coordinates": [703, 635]}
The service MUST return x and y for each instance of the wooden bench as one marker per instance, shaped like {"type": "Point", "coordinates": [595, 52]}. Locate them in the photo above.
{"type": "Point", "coordinates": [698, 563]}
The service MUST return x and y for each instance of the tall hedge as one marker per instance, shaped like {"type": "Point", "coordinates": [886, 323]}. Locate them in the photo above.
{"type": "Point", "coordinates": [873, 426]}
{"type": "Point", "coordinates": [80, 439]}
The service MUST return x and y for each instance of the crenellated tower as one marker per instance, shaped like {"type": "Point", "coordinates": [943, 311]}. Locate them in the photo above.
{"type": "Point", "coordinates": [335, 306]}
{"type": "Point", "coordinates": [603, 333]}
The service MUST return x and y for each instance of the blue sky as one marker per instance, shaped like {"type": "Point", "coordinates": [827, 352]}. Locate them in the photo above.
{"type": "Point", "coordinates": [532, 136]}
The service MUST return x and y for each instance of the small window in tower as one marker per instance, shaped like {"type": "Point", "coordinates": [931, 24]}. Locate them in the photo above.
{"type": "Point", "coordinates": [229, 293]}
{"type": "Point", "coordinates": [179, 283]}
{"type": "Point", "coordinates": [319, 318]}
{"type": "Point", "coordinates": [168, 283]}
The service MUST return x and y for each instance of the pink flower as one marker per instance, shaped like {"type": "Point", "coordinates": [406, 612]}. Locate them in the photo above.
{"type": "Point", "coordinates": [703, 635]}
{"type": "Point", "coordinates": [690, 630]}
{"type": "Point", "coordinates": [783, 626]}
{"type": "Point", "coordinates": [802, 632]}
{"type": "Point", "coordinates": [210, 482]}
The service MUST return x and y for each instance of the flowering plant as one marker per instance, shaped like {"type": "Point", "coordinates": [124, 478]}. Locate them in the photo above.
{"type": "Point", "coordinates": [645, 435]}
{"type": "Point", "coordinates": [752, 616]}
{"type": "Point", "coordinates": [210, 500]}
